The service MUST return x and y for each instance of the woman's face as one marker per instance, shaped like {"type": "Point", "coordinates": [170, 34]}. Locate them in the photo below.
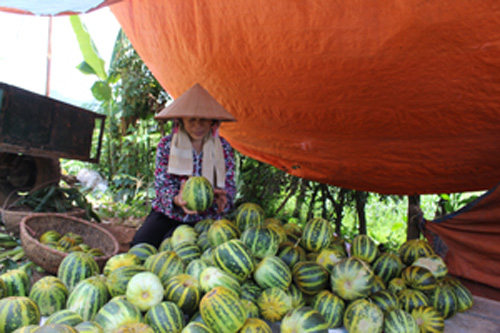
{"type": "Point", "coordinates": [197, 128]}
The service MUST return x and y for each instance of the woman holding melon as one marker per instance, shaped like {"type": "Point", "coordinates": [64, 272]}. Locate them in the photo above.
{"type": "Point", "coordinates": [194, 152]}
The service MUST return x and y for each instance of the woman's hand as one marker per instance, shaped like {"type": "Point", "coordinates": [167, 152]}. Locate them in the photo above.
{"type": "Point", "coordinates": [220, 198]}
{"type": "Point", "coordinates": [181, 203]}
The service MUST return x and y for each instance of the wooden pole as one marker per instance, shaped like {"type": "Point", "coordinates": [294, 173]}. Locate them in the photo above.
{"type": "Point", "coordinates": [414, 213]}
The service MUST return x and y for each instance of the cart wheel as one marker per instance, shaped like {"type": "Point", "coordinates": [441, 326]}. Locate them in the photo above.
{"type": "Point", "coordinates": [25, 173]}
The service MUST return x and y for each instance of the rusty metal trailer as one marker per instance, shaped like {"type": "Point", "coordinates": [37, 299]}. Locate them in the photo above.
{"type": "Point", "coordinates": [35, 131]}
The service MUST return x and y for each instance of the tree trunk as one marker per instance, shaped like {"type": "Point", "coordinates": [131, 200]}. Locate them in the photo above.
{"type": "Point", "coordinates": [360, 208]}
{"type": "Point", "coordinates": [414, 214]}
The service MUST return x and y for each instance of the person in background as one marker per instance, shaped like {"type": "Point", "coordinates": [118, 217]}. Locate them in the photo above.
{"type": "Point", "coordinates": [193, 149]}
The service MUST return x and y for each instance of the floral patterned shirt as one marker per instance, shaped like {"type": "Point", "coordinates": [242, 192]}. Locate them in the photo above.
{"type": "Point", "coordinates": [168, 185]}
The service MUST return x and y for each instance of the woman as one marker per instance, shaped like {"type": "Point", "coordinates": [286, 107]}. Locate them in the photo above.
{"type": "Point", "coordinates": [194, 149]}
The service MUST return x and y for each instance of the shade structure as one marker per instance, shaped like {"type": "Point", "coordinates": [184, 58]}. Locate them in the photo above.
{"type": "Point", "coordinates": [395, 97]}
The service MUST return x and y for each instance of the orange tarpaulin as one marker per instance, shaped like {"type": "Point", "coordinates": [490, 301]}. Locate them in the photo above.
{"type": "Point", "coordinates": [469, 239]}
{"type": "Point", "coordinates": [397, 96]}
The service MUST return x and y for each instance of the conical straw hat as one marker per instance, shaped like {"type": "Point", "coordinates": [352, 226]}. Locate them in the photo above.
{"type": "Point", "coordinates": [196, 102]}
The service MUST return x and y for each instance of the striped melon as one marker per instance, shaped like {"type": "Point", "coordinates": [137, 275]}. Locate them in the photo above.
{"type": "Point", "coordinates": [3, 289]}
{"type": "Point", "coordinates": [298, 298]}
{"type": "Point", "coordinates": [16, 281]}
{"type": "Point", "coordinates": [352, 278]}
{"type": "Point", "coordinates": [428, 319]}
{"type": "Point", "coordinates": [120, 260]}
{"type": "Point", "coordinates": [413, 249]}
{"type": "Point", "coordinates": [363, 316]}
{"type": "Point", "coordinates": [88, 296]}
{"type": "Point", "coordinates": [165, 317]}
{"type": "Point", "coordinates": [317, 234]}
{"type": "Point", "coordinates": [274, 303]}
{"type": "Point", "coordinates": [16, 312]}
{"type": "Point", "coordinates": [434, 263]}
{"type": "Point", "coordinates": [185, 291]}
{"type": "Point", "coordinates": [66, 317]}
{"type": "Point", "coordinates": [396, 285]}
{"type": "Point", "coordinates": [304, 319]}
{"type": "Point", "coordinates": [291, 253]}
{"type": "Point", "coordinates": [117, 312]}
{"type": "Point", "coordinates": [50, 236]}
{"type": "Point", "coordinates": [195, 327]}
{"type": "Point", "coordinates": [248, 215]}
{"type": "Point", "coordinates": [203, 242]}
{"type": "Point", "coordinates": [134, 328]}
{"type": "Point", "coordinates": [397, 321]}
{"type": "Point", "coordinates": [388, 266]}
{"type": "Point", "coordinates": [203, 225]}
{"type": "Point", "coordinates": [234, 258]}
{"type": "Point", "coordinates": [280, 231]}
{"type": "Point", "coordinates": [463, 295]}
{"type": "Point", "coordinates": [89, 327]}
{"type": "Point", "coordinates": [250, 290]}
{"type": "Point", "coordinates": [50, 294]}
{"type": "Point", "coordinates": [188, 251]}
{"type": "Point", "coordinates": [198, 193]}
{"type": "Point", "coordinates": [221, 231]}
{"type": "Point", "coordinates": [310, 277]}
{"type": "Point", "coordinates": [56, 328]}
{"type": "Point", "coordinates": [75, 267]}
{"type": "Point", "coordinates": [222, 310]}
{"type": "Point", "coordinates": [419, 278]}
{"type": "Point", "coordinates": [328, 257]}
{"type": "Point", "coordinates": [365, 248]}
{"type": "Point", "coordinates": [212, 277]}
{"type": "Point", "coordinates": [166, 245]}
{"type": "Point", "coordinates": [183, 233]}
{"type": "Point", "coordinates": [195, 267]}
{"type": "Point", "coordinates": [261, 241]}
{"type": "Point", "coordinates": [255, 325]}
{"type": "Point", "coordinates": [444, 300]}
{"type": "Point", "coordinates": [410, 299]}
{"type": "Point", "coordinates": [118, 279]}
{"type": "Point", "coordinates": [272, 272]}
{"type": "Point", "coordinates": [251, 307]}
{"type": "Point", "coordinates": [330, 306]}
{"type": "Point", "coordinates": [143, 251]}
{"type": "Point", "coordinates": [144, 290]}
{"type": "Point", "coordinates": [386, 300]}
{"type": "Point", "coordinates": [27, 329]}
{"type": "Point", "coordinates": [293, 228]}
{"type": "Point", "coordinates": [165, 264]}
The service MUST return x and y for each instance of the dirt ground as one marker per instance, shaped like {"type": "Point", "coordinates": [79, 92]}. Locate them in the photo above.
{"type": "Point", "coordinates": [123, 230]}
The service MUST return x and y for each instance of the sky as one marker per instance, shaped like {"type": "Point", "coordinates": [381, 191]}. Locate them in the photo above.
{"type": "Point", "coordinates": [23, 53]}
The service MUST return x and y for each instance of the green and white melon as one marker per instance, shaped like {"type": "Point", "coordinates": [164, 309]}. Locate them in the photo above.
{"type": "Point", "coordinates": [388, 266]}
{"type": "Point", "coordinates": [145, 290]}
{"type": "Point", "coordinates": [274, 304]}
{"type": "Point", "coordinates": [251, 307]}
{"type": "Point", "coordinates": [166, 245]}
{"type": "Point", "coordinates": [221, 231]}
{"type": "Point", "coordinates": [135, 328]}
{"type": "Point", "coordinates": [183, 233]}
{"type": "Point", "coordinates": [121, 260]}
{"type": "Point", "coordinates": [362, 315]}
{"type": "Point", "coordinates": [386, 300]}
{"type": "Point", "coordinates": [330, 306]}
{"type": "Point", "coordinates": [298, 298]}
{"type": "Point", "coordinates": [310, 277]}
{"type": "Point", "coordinates": [88, 296]}
{"type": "Point", "coordinates": [195, 267]}
{"type": "Point", "coordinates": [413, 249]}
{"type": "Point", "coordinates": [234, 258]}
{"type": "Point", "coordinates": [65, 317]}
{"type": "Point", "coordinates": [188, 251]}
{"type": "Point", "coordinates": [443, 299]}
{"type": "Point", "coordinates": [165, 264]}
{"type": "Point", "coordinates": [428, 319]}
{"type": "Point", "coordinates": [212, 277]}
{"type": "Point", "coordinates": [410, 299]}
{"type": "Point", "coordinates": [434, 263]}
{"type": "Point", "coordinates": [198, 193]}
{"type": "Point", "coordinates": [291, 253]}
{"type": "Point", "coordinates": [50, 294]}
{"type": "Point", "coordinates": [463, 295]}
{"type": "Point", "coordinates": [317, 234]}
{"type": "Point", "coordinates": [272, 272]}
{"type": "Point", "coordinates": [255, 325]}
{"type": "Point", "coordinates": [143, 251]}
{"type": "Point", "coordinates": [364, 248]}
{"type": "Point", "coordinates": [117, 312]}
{"type": "Point", "coordinates": [55, 328]}
{"type": "Point", "coordinates": [16, 282]}
{"type": "Point", "coordinates": [185, 291]}
{"type": "Point", "coordinates": [249, 214]}
{"type": "Point", "coordinates": [203, 242]}
{"type": "Point", "coordinates": [195, 327]}
{"type": "Point", "coordinates": [222, 310]}
{"type": "Point", "coordinates": [329, 257]}
{"type": "Point", "coordinates": [419, 278]}
{"type": "Point", "coordinates": [400, 321]}
{"type": "Point", "coordinates": [250, 290]}
{"type": "Point", "coordinates": [303, 319]}
{"type": "Point", "coordinates": [203, 225]}
{"type": "Point", "coordinates": [16, 312]}
{"type": "Point", "coordinates": [396, 285]}
{"type": "Point", "coordinates": [352, 278]}
{"type": "Point", "coordinates": [118, 279]}
{"type": "Point", "coordinates": [261, 241]}
{"type": "Point", "coordinates": [89, 327]}
{"type": "Point", "coordinates": [75, 267]}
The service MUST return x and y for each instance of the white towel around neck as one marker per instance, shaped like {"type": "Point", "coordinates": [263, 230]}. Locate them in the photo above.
{"type": "Point", "coordinates": [213, 166]}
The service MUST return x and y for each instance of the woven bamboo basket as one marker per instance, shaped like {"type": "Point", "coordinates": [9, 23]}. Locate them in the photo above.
{"type": "Point", "coordinates": [12, 216]}
{"type": "Point", "coordinates": [34, 225]}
